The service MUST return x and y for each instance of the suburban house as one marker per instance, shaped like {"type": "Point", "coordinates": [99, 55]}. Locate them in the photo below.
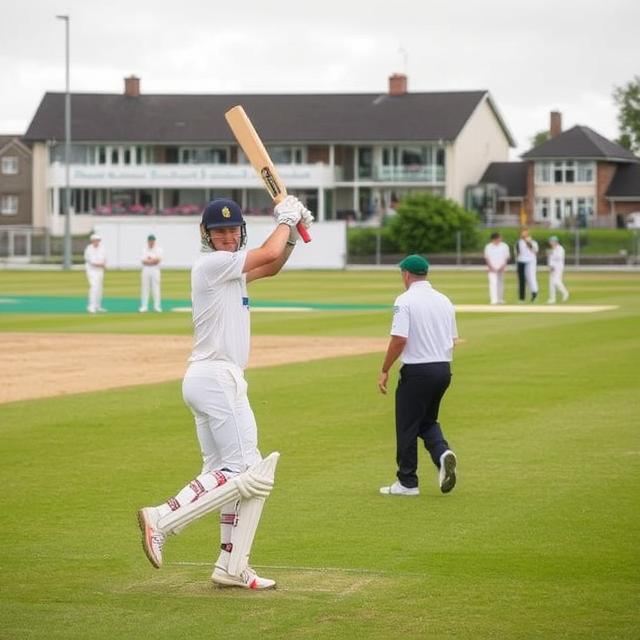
{"type": "Point", "coordinates": [347, 155]}
{"type": "Point", "coordinates": [15, 182]}
{"type": "Point", "coordinates": [576, 177]}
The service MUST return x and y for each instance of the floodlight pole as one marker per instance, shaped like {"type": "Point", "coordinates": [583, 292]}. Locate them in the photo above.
{"type": "Point", "coordinates": [66, 264]}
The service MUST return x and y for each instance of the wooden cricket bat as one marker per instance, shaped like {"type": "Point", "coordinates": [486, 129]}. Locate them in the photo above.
{"type": "Point", "coordinates": [250, 142]}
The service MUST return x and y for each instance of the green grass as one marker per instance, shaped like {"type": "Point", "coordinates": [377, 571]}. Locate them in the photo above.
{"type": "Point", "coordinates": [539, 539]}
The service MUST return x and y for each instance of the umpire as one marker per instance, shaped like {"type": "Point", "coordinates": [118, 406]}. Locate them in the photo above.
{"type": "Point", "coordinates": [423, 334]}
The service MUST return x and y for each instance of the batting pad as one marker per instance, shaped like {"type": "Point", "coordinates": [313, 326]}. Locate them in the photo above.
{"type": "Point", "coordinates": [255, 482]}
{"type": "Point", "coordinates": [244, 532]}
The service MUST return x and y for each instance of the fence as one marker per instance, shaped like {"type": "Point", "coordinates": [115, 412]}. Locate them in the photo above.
{"type": "Point", "coordinates": [583, 247]}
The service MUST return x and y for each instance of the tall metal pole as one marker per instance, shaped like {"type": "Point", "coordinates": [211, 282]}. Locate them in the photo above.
{"type": "Point", "coordinates": [66, 265]}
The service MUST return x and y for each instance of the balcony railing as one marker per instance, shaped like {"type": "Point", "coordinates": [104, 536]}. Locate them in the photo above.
{"type": "Point", "coordinates": [431, 174]}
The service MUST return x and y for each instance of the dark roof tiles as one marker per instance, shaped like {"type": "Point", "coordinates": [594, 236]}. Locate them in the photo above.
{"type": "Point", "coordinates": [580, 142]}
{"type": "Point", "coordinates": [279, 118]}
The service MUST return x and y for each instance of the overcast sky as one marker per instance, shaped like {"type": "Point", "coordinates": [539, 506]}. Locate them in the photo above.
{"type": "Point", "coordinates": [533, 56]}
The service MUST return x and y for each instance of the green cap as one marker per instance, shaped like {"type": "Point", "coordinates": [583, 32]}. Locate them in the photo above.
{"type": "Point", "coordinates": [415, 264]}
{"type": "Point", "coordinates": [553, 239]}
{"type": "Point", "coordinates": [151, 237]}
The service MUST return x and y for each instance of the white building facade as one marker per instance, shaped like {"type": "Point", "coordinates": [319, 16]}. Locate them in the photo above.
{"type": "Point", "coordinates": [347, 156]}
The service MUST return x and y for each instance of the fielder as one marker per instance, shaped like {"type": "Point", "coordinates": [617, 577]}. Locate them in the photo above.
{"type": "Point", "coordinates": [150, 275]}
{"type": "Point", "coordinates": [496, 256]}
{"type": "Point", "coordinates": [95, 262]}
{"type": "Point", "coordinates": [234, 479]}
{"type": "Point", "coordinates": [527, 262]}
{"type": "Point", "coordinates": [423, 335]}
{"type": "Point", "coordinates": [555, 260]}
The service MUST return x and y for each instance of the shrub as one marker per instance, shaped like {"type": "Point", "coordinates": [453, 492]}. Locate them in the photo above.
{"type": "Point", "coordinates": [427, 223]}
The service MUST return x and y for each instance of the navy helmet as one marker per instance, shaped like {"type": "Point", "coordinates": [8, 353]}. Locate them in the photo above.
{"type": "Point", "coordinates": [221, 213]}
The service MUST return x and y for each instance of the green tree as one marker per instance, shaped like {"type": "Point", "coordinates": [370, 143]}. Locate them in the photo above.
{"type": "Point", "coordinates": [428, 223]}
{"type": "Point", "coordinates": [539, 138]}
{"type": "Point", "coordinates": [627, 98]}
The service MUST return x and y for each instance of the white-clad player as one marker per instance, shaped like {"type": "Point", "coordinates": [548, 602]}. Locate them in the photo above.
{"type": "Point", "coordinates": [555, 260]}
{"type": "Point", "coordinates": [234, 479]}
{"type": "Point", "coordinates": [95, 262]}
{"type": "Point", "coordinates": [526, 262]}
{"type": "Point", "coordinates": [150, 275]}
{"type": "Point", "coordinates": [496, 255]}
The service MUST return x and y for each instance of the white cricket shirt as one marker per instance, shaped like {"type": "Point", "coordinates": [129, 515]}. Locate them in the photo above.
{"type": "Point", "coordinates": [497, 255]}
{"type": "Point", "coordinates": [220, 308]}
{"type": "Point", "coordinates": [93, 256]}
{"type": "Point", "coordinates": [427, 319]}
{"type": "Point", "coordinates": [149, 253]}
{"type": "Point", "coordinates": [556, 257]}
{"type": "Point", "coordinates": [525, 254]}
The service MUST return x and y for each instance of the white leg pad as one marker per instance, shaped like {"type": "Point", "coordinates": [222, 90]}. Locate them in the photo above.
{"type": "Point", "coordinates": [255, 482]}
{"type": "Point", "coordinates": [244, 532]}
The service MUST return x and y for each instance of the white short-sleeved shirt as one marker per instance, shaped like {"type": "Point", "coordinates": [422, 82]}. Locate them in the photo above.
{"type": "Point", "coordinates": [556, 257]}
{"type": "Point", "coordinates": [525, 254]}
{"type": "Point", "coordinates": [427, 319]}
{"type": "Point", "coordinates": [497, 255]}
{"type": "Point", "coordinates": [93, 256]}
{"type": "Point", "coordinates": [220, 308]}
{"type": "Point", "coordinates": [151, 253]}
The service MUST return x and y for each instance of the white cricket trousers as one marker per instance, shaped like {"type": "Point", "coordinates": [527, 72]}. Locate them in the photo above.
{"type": "Point", "coordinates": [150, 282]}
{"type": "Point", "coordinates": [556, 284]}
{"type": "Point", "coordinates": [95, 278]}
{"type": "Point", "coordinates": [216, 393]}
{"type": "Point", "coordinates": [496, 286]}
{"type": "Point", "coordinates": [531, 274]}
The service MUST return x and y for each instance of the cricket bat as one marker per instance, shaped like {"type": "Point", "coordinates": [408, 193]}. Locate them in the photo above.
{"type": "Point", "coordinates": [250, 142]}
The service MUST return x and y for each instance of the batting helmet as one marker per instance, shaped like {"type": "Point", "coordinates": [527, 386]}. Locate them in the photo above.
{"type": "Point", "coordinates": [221, 213]}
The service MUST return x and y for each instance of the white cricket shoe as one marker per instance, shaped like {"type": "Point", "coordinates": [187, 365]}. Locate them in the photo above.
{"type": "Point", "coordinates": [142, 310]}
{"type": "Point", "coordinates": [397, 489]}
{"type": "Point", "coordinates": [447, 475]}
{"type": "Point", "coordinates": [248, 579]}
{"type": "Point", "coordinates": [152, 538]}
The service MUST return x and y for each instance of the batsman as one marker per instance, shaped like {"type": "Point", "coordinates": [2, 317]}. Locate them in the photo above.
{"type": "Point", "coordinates": [235, 480]}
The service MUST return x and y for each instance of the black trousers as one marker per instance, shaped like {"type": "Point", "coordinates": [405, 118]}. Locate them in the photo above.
{"type": "Point", "coordinates": [522, 280]}
{"type": "Point", "coordinates": [418, 395]}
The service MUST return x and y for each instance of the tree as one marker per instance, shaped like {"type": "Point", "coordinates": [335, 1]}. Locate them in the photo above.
{"type": "Point", "coordinates": [428, 223]}
{"type": "Point", "coordinates": [627, 98]}
{"type": "Point", "coordinates": [539, 138]}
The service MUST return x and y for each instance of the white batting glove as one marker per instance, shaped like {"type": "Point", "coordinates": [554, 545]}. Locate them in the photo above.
{"type": "Point", "coordinates": [288, 211]}
{"type": "Point", "coordinates": [307, 220]}
{"type": "Point", "coordinates": [306, 217]}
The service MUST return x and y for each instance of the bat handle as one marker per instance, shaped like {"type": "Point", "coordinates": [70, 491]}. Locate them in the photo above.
{"type": "Point", "coordinates": [304, 234]}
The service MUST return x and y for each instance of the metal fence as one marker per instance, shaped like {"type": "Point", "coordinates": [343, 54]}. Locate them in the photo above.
{"type": "Point", "coordinates": [577, 253]}
{"type": "Point", "coordinates": [32, 245]}
{"type": "Point", "coordinates": [35, 245]}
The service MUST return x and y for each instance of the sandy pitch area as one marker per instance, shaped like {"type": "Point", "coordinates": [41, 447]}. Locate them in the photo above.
{"type": "Point", "coordinates": [37, 365]}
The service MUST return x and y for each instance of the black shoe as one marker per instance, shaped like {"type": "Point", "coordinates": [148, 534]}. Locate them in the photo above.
{"type": "Point", "coordinates": [534, 296]}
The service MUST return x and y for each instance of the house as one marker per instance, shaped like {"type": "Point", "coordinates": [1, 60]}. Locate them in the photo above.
{"type": "Point", "coordinates": [574, 177]}
{"type": "Point", "coordinates": [15, 182]}
{"type": "Point", "coordinates": [346, 155]}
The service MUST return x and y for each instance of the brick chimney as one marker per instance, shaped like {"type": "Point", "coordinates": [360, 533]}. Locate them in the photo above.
{"type": "Point", "coordinates": [132, 87]}
{"type": "Point", "coordinates": [555, 124]}
{"type": "Point", "coordinates": [397, 84]}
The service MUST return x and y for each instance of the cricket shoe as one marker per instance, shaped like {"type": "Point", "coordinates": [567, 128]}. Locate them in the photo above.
{"type": "Point", "coordinates": [397, 489]}
{"type": "Point", "coordinates": [152, 538]}
{"type": "Point", "coordinates": [248, 579]}
{"type": "Point", "coordinates": [447, 475]}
